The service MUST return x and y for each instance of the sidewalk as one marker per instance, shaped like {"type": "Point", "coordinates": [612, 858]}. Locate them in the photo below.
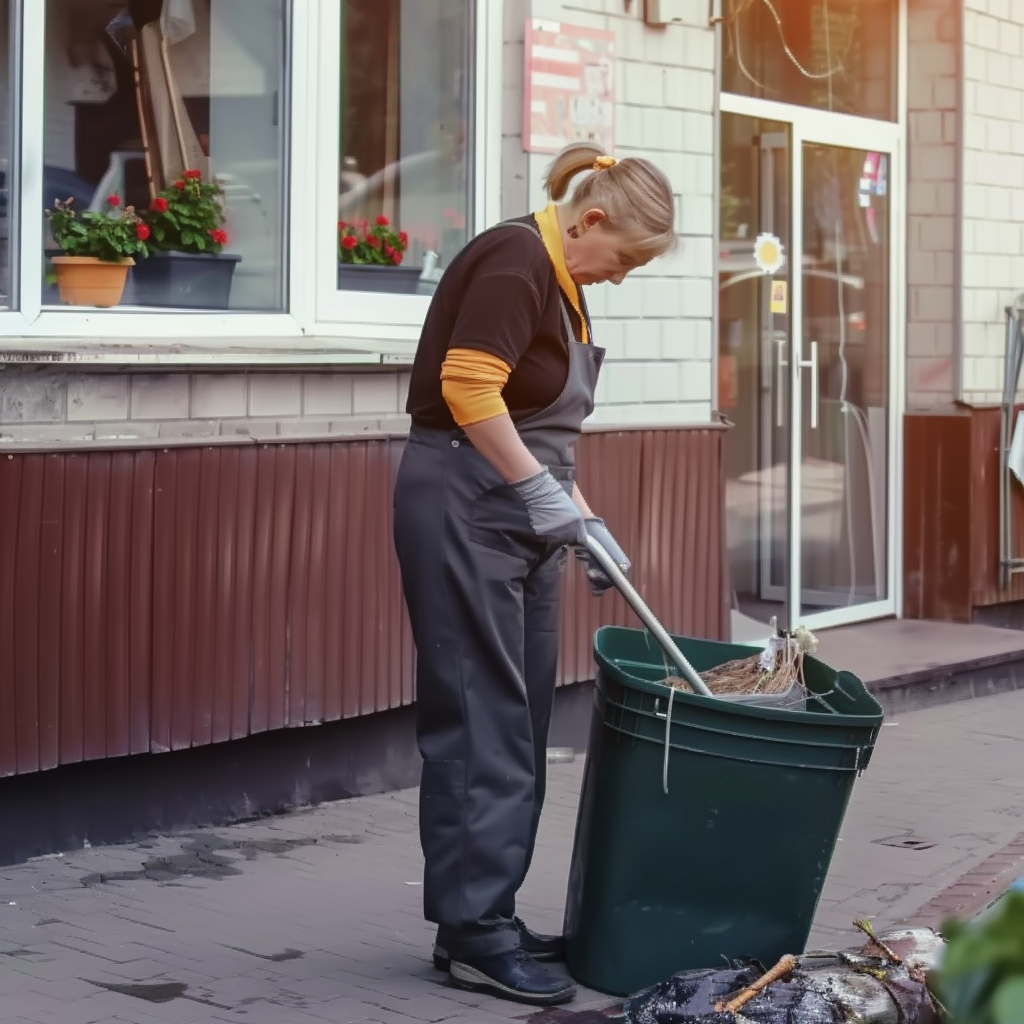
{"type": "Point", "coordinates": [315, 917]}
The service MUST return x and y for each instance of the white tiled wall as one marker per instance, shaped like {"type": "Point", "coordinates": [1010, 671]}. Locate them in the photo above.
{"type": "Point", "coordinates": [44, 404]}
{"type": "Point", "coordinates": [656, 325]}
{"type": "Point", "coordinates": [993, 186]}
{"type": "Point", "coordinates": [933, 31]}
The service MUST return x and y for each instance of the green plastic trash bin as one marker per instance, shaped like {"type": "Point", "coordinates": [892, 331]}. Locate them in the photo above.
{"type": "Point", "coordinates": [731, 861]}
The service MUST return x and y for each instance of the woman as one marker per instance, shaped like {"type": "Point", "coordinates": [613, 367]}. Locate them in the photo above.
{"type": "Point", "coordinates": [486, 502]}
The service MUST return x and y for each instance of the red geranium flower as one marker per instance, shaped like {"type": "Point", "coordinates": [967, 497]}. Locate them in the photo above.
{"type": "Point", "coordinates": [187, 216]}
{"type": "Point", "coordinates": [342, 225]}
{"type": "Point", "coordinates": [142, 230]}
{"type": "Point", "coordinates": [374, 241]}
{"type": "Point", "coordinates": [113, 200]}
{"type": "Point", "coordinates": [404, 237]}
{"type": "Point", "coordinates": [382, 221]}
{"type": "Point", "coordinates": [349, 242]}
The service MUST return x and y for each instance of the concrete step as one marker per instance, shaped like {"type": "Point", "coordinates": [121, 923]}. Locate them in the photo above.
{"type": "Point", "coordinates": [909, 664]}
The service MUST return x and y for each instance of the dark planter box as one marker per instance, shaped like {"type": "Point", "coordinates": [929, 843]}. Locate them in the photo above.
{"type": "Point", "coordinates": [183, 280]}
{"type": "Point", "coordinates": [361, 277]}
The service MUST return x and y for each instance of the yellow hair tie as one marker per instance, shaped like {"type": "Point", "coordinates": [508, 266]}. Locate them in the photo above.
{"type": "Point", "coordinates": [602, 163]}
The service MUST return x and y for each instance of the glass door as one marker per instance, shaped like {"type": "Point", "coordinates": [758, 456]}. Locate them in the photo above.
{"type": "Point", "coordinates": [753, 344]}
{"type": "Point", "coordinates": [806, 314]}
{"type": "Point", "coordinates": [845, 322]}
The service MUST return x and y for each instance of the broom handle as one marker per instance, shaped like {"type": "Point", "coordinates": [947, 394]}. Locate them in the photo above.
{"type": "Point", "coordinates": [780, 970]}
{"type": "Point", "coordinates": [646, 616]}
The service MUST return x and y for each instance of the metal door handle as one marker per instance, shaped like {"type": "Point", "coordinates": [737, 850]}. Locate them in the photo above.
{"type": "Point", "coordinates": [804, 364]}
{"type": "Point", "coordinates": [780, 380]}
{"type": "Point", "coordinates": [812, 365]}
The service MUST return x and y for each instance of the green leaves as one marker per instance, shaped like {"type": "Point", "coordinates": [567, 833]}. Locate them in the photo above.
{"type": "Point", "coordinates": [1008, 1002]}
{"type": "Point", "coordinates": [111, 236]}
{"type": "Point", "coordinates": [981, 978]}
{"type": "Point", "coordinates": [188, 216]}
{"type": "Point", "coordinates": [378, 244]}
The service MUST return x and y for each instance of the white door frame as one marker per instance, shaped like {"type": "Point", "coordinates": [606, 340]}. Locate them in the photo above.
{"type": "Point", "coordinates": [843, 131]}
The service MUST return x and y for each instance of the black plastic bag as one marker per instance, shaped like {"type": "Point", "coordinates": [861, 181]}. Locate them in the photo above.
{"type": "Point", "coordinates": [690, 997]}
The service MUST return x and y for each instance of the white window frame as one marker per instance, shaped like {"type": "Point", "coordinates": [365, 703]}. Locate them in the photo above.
{"type": "Point", "coordinates": [394, 316]}
{"type": "Point", "coordinates": [381, 324]}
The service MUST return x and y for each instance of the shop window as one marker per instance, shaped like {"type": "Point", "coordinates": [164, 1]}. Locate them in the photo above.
{"type": "Point", "coordinates": [150, 101]}
{"type": "Point", "coordinates": [7, 203]}
{"type": "Point", "coordinates": [404, 201]}
{"type": "Point", "coordinates": [837, 55]}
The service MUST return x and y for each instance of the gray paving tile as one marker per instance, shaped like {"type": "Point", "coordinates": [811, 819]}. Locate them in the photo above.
{"type": "Point", "coordinates": [949, 774]}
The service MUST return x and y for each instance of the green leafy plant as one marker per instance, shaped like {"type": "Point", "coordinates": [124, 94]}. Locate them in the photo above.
{"type": "Point", "coordinates": [188, 216]}
{"type": "Point", "coordinates": [118, 233]}
{"type": "Point", "coordinates": [981, 977]}
{"type": "Point", "coordinates": [376, 244]}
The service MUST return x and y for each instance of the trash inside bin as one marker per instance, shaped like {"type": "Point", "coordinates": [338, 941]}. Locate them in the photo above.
{"type": "Point", "coordinates": [706, 827]}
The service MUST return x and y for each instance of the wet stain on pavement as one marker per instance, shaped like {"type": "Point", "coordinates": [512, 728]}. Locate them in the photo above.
{"type": "Point", "coordinates": [277, 958]}
{"type": "Point", "coordinates": [158, 992]}
{"type": "Point", "coordinates": [155, 992]}
{"type": "Point", "coordinates": [206, 856]}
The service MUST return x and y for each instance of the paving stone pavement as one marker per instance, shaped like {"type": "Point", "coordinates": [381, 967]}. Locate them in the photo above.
{"type": "Point", "coordinates": [314, 916]}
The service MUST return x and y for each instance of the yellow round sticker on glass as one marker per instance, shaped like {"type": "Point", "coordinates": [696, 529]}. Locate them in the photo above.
{"type": "Point", "coordinates": [768, 253]}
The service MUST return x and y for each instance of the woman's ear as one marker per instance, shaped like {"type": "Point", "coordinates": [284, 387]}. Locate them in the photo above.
{"type": "Point", "coordinates": [592, 218]}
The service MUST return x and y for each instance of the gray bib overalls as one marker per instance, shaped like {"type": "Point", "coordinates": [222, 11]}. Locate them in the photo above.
{"type": "Point", "coordinates": [483, 594]}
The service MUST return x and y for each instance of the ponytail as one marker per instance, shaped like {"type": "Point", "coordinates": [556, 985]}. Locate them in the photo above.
{"type": "Point", "coordinates": [576, 157]}
{"type": "Point", "coordinates": [636, 197]}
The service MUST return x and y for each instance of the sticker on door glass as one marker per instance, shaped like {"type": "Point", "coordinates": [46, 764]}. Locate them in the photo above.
{"type": "Point", "coordinates": [779, 296]}
{"type": "Point", "coordinates": [768, 253]}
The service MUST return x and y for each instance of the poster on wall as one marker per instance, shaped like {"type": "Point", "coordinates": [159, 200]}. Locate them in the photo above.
{"type": "Point", "coordinates": [569, 87]}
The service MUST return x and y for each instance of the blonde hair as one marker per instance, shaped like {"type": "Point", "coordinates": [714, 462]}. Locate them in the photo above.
{"type": "Point", "coordinates": [635, 196]}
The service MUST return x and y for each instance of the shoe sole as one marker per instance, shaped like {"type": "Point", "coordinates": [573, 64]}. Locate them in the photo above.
{"type": "Point", "coordinates": [474, 981]}
{"type": "Point", "coordinates": [443, 962]}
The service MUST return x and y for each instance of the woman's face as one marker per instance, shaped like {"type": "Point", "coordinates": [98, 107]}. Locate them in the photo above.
{"type": "Point", "coordinates": [596, 254]}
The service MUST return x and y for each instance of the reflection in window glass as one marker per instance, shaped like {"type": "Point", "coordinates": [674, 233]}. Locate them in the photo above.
{"type": "Point", "coordinates": [6, 117]}
{"type": "Point", "coordinates": [405, 139]}
{"type": "Point", "coordinates": [835, 55]}
{"type": "Point", "coordinates": [846, 296]}
{"type": "Point", "coordinates": [138, 93]}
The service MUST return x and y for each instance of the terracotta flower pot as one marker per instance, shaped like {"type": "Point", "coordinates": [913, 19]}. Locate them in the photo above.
{"type": "Point", "coordinates": [87, 281]}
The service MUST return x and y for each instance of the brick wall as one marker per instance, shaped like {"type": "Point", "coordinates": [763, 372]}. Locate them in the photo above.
{"type": "Point", "coordinates": [656, 325]}
{"type": "Point", "coordinates": [993, 186]}
{"type": "Point", "coordinates": [933, 95]}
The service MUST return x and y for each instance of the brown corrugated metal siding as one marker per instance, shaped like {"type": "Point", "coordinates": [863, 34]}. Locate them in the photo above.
{"type": "Point", "coordinates": [154, 600]}
{"type": "Point", "coordinates": [951, 515]}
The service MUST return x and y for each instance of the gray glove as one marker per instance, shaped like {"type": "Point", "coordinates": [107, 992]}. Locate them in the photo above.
{"type": "Point", "coordinates": [599, 582]}
{"type": "Point", "coordinates": [553, 514]}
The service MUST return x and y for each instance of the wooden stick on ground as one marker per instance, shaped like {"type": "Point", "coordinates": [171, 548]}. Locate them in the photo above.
{"type": "Point", "coordinates": [865, 927]}
{"type": "Point", "coordinates": [781, 969]}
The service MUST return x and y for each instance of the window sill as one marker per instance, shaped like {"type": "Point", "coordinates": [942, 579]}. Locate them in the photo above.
{"type": "Point", "coordinates": [198, 353]}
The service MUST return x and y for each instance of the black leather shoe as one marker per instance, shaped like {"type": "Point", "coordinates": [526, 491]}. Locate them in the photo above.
{"type": "Point", "coordinates": [513, 975]}
{"type": "Point", "coordinates": [544, 948]}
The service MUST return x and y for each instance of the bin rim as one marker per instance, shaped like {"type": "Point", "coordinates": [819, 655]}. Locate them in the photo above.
{"type": "Point", "coordinates": [656, 689]}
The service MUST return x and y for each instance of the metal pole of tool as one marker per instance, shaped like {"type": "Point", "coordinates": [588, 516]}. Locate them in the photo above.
{"type": "Point", "coordinates": [646, 616]}
{"type": "Point", "coordinates": [1013, 358]}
